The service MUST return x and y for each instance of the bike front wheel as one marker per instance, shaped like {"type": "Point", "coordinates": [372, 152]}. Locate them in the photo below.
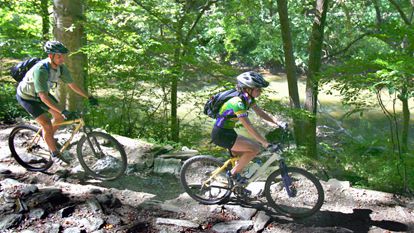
{"type": "Point", "coordinates": [198, 181]}
{"type": "Point", "coordinates": [102, 156]}
{"type": "Point", "coordinates": [29, 149]}
{"type": "Point", "coordinates": [300, 194]}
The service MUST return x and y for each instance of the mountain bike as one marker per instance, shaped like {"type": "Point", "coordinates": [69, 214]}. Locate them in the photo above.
{"type": "Point", "coordinates": [291, 191]}
{"type": "Point", "coordinates": [99, 154]}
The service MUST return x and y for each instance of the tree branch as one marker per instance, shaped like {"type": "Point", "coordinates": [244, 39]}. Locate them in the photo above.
{"type": "Point", "coordinates": [164, 21]}
{"type": "Point", "coordinates": [348, 46]}
{"type": "Point", "coordinates": [402, 14]}
{"type": "Point", "coordinates": [204, 9]}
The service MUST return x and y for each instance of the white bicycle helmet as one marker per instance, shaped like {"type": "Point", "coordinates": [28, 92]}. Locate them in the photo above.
{"type": "Point", "coordinates": [251, 79]}
{"type": "Point", "coordinates": [53, 47]}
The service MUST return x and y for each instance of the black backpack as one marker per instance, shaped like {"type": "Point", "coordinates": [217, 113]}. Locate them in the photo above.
{"type": "Point", "coordinates": [19, 71]}
{"type": "Point", "coordinates": [213, 105]}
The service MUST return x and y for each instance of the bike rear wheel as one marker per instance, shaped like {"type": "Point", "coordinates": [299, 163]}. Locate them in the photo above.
{"type": "Point", "coordinates": [194, 176]}
{"type": "Point", "coordinates": [102, 156]}
{"type": "Point", "coordinates": [29, 149]}
{"type": "Point", "coordinates": [307, 194]}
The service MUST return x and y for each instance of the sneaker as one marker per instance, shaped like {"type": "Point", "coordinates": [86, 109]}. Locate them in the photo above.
{"type": "Point", "coordinates": [238, 180]}
{"type": "Point", "coordinates": [64, 157]}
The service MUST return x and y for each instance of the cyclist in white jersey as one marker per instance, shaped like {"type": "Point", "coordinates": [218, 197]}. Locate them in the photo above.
{"type": "Point", "coordinates": [33, 92]}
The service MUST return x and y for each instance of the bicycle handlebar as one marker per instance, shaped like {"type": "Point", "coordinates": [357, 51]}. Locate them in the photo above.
{"type": "Point", "coordinates": [79, 114]}
{"type": "Point", "coordinates": [283, 125]}
{"type": "Point", "coordinates": [274, 148]}
{"type": "Point", "coordinates": [283, 137]}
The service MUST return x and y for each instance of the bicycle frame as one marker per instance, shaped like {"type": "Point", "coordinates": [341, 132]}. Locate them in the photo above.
{"type": "Point", "coordinates": [232, 161]}
{"type": "Point", "coordinates": [79, 123]}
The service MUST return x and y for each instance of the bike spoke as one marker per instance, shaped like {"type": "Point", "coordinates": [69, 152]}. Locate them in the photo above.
{"type": "Point", "coordinates": [29, 149]}
{"type": "Point", "coordinates": [102, 156]}
{"type": "Point", "coordinates": [302, 197]}
{"type": "Point", "coordinates": [197, 179]}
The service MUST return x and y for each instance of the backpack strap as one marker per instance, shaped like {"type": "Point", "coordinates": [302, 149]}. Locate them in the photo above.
{"type": "Point", "coordinates": [241, 96]}
{"type": "Point", "coordinates": [46, 65]}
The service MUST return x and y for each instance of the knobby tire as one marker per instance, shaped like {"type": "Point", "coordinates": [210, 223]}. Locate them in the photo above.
{"type": "Point", "coordinates": [101, 156]}
{"type": "Point", "coordinates": [309, 194]}
{"type": "Point", "coordinates": [197, 170]}
{"type": "Point", "coordinates": [32, 156]}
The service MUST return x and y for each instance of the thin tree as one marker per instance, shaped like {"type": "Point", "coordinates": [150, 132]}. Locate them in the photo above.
{"type": "Point", "coordinates": [290, 67]}
{"type": "Point", "coordinates": [314, 64]}
{"type": "Point", "coordinates": [404, 96]}
{"type": "Point", "coordinates": [44, 12]}
{"type": "Point", "coordinates": [189, 14]}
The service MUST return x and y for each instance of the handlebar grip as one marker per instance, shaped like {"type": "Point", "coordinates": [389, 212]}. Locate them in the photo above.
{"type": "Point", "coordinates": [274, 148]}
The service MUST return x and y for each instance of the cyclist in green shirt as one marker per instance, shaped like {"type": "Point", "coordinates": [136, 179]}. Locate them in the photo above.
{"type": "Point", "coordinates": [235, 110]}
{"type": "Point", "coordinates": [33, 92]}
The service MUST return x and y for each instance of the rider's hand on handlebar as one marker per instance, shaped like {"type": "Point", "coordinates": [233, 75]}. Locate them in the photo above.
{"type": "Point", "coordinates": [273, 147]}
{"type": "Point", "coordinates": [282, 125]}
{"type": "Point", "coordinates": [93, 101]}
{"type": "Point", "coordinates": [67, 115]}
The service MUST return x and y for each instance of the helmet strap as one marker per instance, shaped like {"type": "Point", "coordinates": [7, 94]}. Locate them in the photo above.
{"type": "Point", "coordinates": [52, 60]}
{"type": "Point", "coordinates": [248, 92]}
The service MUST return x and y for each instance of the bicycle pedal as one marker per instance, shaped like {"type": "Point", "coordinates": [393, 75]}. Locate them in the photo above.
{"type": "Point", "coordinates": [241, 191]}
{"type": "Point", "coordinates": [62, 159]}
{"type": "Point", "coordinates": [61, 163]}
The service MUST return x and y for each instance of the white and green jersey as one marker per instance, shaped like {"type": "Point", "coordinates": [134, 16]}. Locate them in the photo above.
{"type": "Point", "coordinates": [42, 78]}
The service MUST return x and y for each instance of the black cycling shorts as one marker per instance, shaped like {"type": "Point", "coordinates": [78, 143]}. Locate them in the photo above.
{"type": "Point", "coordinates": [223, 137]}
{"type": "Point", "coordinates": [35, 108]}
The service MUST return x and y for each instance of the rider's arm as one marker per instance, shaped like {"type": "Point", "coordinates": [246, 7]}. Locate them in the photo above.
{"type": "Point", "coordinates": [40, 81]}
{"type": "Point", "coordinates": [78, 90]}
{"type": "Point", "coordinates": [67, 78]}
{"type": "Point", "coordinates": [263, 114]}
{"type": "Point", "coordinates": [44, 97]}
{"type": "Point", "coordinates": [252, 131]}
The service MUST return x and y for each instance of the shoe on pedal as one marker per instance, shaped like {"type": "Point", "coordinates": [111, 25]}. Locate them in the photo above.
{"type": "Point", "coordinates": [238, 180]}
{"type": "Point", "coordinates": [64, 157]}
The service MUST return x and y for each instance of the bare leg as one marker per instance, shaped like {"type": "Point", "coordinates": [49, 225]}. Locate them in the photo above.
{"type": "Point", "coordinates": [247, 148]}
{"type": "Point", "coordinates": [56, 118]}
{"type": "Point", "coordinates": [48, 131]}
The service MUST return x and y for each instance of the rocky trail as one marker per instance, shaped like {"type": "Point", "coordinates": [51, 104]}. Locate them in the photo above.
{"type": "Point", "coordinates": [63, 200]}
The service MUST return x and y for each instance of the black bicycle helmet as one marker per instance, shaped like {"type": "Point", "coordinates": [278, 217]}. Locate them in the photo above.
{"type": "Point", "coordinates": [251, 79]}
{"type": "Point", "coordinates": [55, 47]}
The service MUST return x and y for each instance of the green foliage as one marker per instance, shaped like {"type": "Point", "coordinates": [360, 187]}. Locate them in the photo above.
{"type": "Point", "coordinates": [364, 158]}
{"type": "Point", "coordinates": [140, 56]}
{"type": "Point", "coordinates": [10, 109]}
{"type": "Point", "coordinates": [280, 108]}
{"type": "Point", "coordinates": [137, 48]}
{"type": "Point", "coordinates": [20, 29]}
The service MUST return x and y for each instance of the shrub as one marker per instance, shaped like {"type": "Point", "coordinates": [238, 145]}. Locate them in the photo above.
{"type": "Point", "coordinates": [10, 109]}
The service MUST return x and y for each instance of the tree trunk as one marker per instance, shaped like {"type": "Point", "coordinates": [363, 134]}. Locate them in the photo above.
{"type": "Point", "coordinates": [44, 5]}
{"type": "Point", "coordinates": [406, 120]}
{"type": "Point", "coordinates": [377, 13]}
{"type": "Point", "coordinates": [290, 68]}
{"type": "Point", "coordinates": [314, 64]}
{"type": "Point", "coordinates": [68, 29]}
{"type": "Point", "coordinates": [175, 128]}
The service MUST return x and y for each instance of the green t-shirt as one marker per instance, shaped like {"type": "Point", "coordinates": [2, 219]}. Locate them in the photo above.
{"type": "Point", "coordinates": [42, 78]}
{"type": "Point", "coordinates": [232, 110]}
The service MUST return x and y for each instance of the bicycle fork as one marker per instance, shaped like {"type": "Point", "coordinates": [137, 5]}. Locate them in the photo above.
{"type": "Point", "coordinates": [287, 181]}
{"type": "Point", "coordinates": [93, 143]}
